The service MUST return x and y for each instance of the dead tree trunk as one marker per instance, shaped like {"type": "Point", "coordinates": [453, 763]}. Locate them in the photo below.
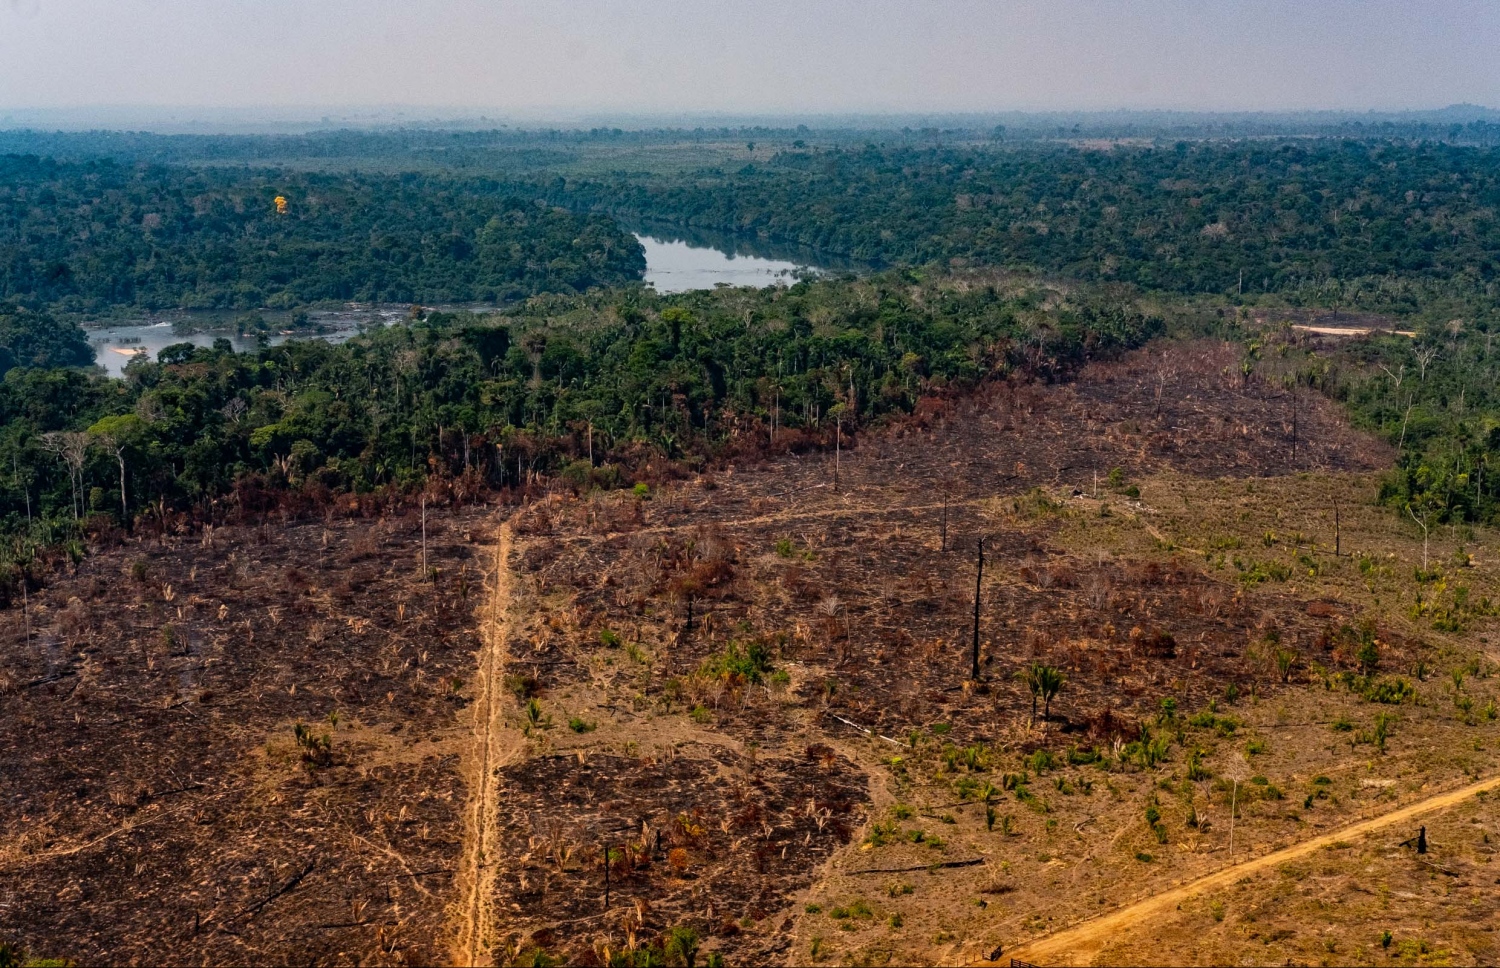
{"type": "Point", "coordinates": [838, 448]}
{"type": "Point", "coordinates": [978, 585]}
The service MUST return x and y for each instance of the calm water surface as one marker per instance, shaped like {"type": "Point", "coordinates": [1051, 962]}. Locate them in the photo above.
{"type": "Point", "coordinates": [677, 266]}
{"type": "Point", "coordinates": [116, 345]}
{"type": "Point", "coordinates": [673, 264]}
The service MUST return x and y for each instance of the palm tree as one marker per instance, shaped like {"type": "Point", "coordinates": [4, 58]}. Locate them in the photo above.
{"type": "Point", "coordinates": [682, 943]}
{"type": "Point", "coordinates": [1043, 681]}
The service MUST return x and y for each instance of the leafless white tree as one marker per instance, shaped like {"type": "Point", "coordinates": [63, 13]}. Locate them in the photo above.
{"type": "Point", "coordinates": [71, 447]}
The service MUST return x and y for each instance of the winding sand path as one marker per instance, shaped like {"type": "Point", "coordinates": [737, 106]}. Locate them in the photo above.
{"type": "Point", "coordinates": [489, 752]}
{"type": "Point", "coordinates": [1082, 943]}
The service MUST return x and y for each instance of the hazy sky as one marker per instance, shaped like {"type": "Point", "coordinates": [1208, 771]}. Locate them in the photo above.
{"type": "Point", "coordinates": [510, 56]}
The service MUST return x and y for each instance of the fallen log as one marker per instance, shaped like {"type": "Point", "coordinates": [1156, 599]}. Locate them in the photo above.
{"type": "Point", "coordinates": [921, 867]}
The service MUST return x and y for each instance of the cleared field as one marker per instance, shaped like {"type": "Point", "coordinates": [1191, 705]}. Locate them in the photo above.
{"type": "Point", "coordinates": [738, 714]}
{"type": "Point", "coordinates": [1109, 936]}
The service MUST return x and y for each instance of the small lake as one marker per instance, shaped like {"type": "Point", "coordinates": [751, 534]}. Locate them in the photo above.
{"type": "Point", "coordinates": [676, 266]}
{"type": "Point", "coordinates": [681, 259]}
{"type": "Point", "coordinates": [677, 260]}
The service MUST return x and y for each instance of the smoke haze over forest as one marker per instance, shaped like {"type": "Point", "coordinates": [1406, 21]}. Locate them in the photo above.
{"type": "Point", "coordinates": [264, 60]}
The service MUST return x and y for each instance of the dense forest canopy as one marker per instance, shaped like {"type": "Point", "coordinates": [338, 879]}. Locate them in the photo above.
{"type": "Point", "coordinates": [1386, 225]}
{"type": "Point", "coordinates": [1373, 224]}
{"type": "Point", "coordinates": [596, 379]}
{"type": "Point", "coordinates": [31, 339]}
{"type": "Point", "coordinates": [93, 235]}
{"type": "Point", "coordinates": [630, 375]}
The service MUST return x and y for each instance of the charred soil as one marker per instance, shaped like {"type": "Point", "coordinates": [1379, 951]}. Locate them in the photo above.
{"type": "Point", "coordinates": [739, 712]}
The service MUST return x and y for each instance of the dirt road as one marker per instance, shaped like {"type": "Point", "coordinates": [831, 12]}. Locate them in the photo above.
{"type": "Point", "coordinates": [1082, 943]}
{"type": "Point", "coordinates": [488, 753]}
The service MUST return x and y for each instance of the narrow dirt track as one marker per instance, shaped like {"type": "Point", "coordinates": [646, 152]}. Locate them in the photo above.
{"type": "Point", "coordinates": [488, 753]}
{"type": "Point", "coordinates": [1080, 944]}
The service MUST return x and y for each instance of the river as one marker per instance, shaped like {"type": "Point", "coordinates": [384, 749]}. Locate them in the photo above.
{"type": "Point", "coordinates": [117, 344]}
{"type": "Point", "coordinates": [675, 265]}
{"type": "Point", "coordinates": [677, 260]}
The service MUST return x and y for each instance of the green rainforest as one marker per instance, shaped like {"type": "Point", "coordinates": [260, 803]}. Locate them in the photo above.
{"type": "Point", "coordinates": [985, 257]}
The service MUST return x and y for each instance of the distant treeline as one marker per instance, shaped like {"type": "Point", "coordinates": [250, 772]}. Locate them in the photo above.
{"type": "Point", "coordinates": [1379, 224]}
{"type": "Point", "coordinates": [92, 235]}
{"type": "Point", "coordinates": [483, 143]}
{"type": "Point", "coordinates": [1382, 225]}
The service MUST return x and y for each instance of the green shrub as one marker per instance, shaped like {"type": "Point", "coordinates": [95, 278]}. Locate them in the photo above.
{"type": "Point", "coordinates": [966, 787]}
{"type": "Point", "coordinates": [1394, 691]}
{"type": "Point", "coordinates": [317, 748]}
{"type": "Point", "coordinates": [1041, 761]}
{"type": "Point", "coordinates": [521, 686]}
{"type": "Point", "coordinates": [1263, 571]}
{"type": "Point", "coordinates": [681, 945]}
{"type": "Point", "coordinates": [739, 664]}
{"type": "Point", "coordinates": [1195, 768]}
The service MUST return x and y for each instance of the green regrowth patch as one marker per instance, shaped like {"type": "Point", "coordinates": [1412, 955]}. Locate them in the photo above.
{"type": "Point", "coordinates": [739, 664]}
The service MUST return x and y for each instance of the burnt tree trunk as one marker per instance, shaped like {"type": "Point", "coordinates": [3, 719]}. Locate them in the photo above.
{"type": "Point", "coordinates": [978, 581]}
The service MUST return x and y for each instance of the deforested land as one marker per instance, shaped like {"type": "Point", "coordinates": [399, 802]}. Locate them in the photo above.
{"type": "Point", "coordinates": [1101, 571]}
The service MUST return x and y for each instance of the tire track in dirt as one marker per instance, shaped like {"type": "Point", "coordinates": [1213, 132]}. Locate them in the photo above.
{"type": "Point", "coordinates": [1080, 944]}
{"type": "Point", "coordinates": [488, 753]}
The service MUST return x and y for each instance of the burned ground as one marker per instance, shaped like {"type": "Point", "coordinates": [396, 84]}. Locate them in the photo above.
{"type": "Point", "coordinates": [771, 607]}
{"type": "Point", "coordinates": [701, 832]}
{"type": "Point", "coordinates": [859, 589]}
{"type": "Point", "coordinates": [766, 669]}
{"type": "Point", "coordinates": [157, 806]}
